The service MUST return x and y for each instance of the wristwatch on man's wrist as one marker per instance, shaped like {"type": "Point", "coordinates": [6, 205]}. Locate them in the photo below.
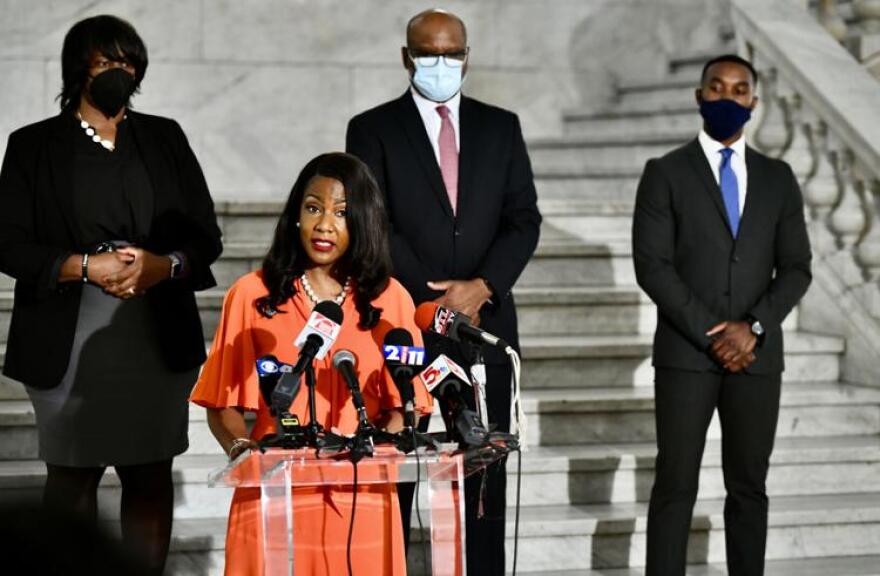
{"type": "Point", "coordinates": [176, 264]}
{"type": "Point", "coordinates": [757, 329]}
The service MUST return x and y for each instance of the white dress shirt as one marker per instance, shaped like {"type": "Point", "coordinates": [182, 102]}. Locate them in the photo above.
{"type": "Point", "coordinates": [431, 119]}
{"type": "Point", "coordinates": [712, 149]}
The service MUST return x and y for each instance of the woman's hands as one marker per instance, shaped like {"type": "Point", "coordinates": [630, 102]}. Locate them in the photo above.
{"type": "Point", "coordinates": [143, 271]}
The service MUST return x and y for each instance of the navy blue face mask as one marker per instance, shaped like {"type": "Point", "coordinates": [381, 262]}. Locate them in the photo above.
{"type": "Point", "coordinates": [723, 118]}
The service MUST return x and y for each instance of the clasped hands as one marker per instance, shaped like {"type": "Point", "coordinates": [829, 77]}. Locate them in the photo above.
{"type": "Point", "coordinates": [465, 296]}
{"type": "Point", "coordinates": [128, 271]}
{"type": "Point", "coordinates": [733, 345]}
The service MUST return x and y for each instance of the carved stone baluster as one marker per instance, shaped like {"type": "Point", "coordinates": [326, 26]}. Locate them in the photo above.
{"type": "Point", "coordinates": [848, 219]}
{"type": "Point", "coordinates": [800, 152]}
{"type": "Point", "coordinates": [868, 253]}
{"type": "Point", "coordinates": [823, 189]}
{"type": "Point", "coordinates": [868, 13]}
{"type": "Point", "coordinates": [831, 20]}
{"type": "Point", "coordinates": [772, 134]}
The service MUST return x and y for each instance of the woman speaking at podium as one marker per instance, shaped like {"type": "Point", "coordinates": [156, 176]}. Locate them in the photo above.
{"type": "Point", "coordinates": [331, 243]}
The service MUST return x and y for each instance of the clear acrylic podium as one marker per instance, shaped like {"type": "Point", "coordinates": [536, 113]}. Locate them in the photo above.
{"type": "Point", "coordinates": [276, 471]}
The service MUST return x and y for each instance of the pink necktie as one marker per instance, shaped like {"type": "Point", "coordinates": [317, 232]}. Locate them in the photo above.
{"type": "Point", "coordinates": [448, 156]}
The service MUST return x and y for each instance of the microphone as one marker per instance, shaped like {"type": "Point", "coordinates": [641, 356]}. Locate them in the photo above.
{"type": "Point", "coordinates": [314, 341]}
{"type": "Point", "coordinates": [270, 372]}
{"type": "Point", "coordinates": [403, 360]}
{"type": "Point", "coordinates": [446, 381]}
{"type": "Point", "coordinates": [431, 317]}
{"type": "Point", "coordinates": [320, 331]}
{"type": "Point", "coordinates": [344, 361]}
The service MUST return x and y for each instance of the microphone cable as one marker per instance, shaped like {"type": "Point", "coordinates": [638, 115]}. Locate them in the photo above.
{"type": "Point", "coordinates": [520, 416]}
{"type": "Point", "coordinates": [354, 494]}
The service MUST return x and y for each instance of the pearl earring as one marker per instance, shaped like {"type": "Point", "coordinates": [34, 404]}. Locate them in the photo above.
{"type": "Point", "coordinates": [297, 224]}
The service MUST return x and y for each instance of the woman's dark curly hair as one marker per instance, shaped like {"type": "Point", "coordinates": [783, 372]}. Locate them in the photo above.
{"type": "Point", "coordinates": [368, 258]}
{"type": "Point", "coordinates": [110, 36]}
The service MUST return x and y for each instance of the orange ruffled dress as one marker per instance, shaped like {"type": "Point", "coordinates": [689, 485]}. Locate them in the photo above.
{"type": "Point", "coordinates": [322, 514]}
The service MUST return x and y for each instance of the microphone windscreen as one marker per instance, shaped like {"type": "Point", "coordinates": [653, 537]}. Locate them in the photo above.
{"type": "Point", "coordinates": [344, 356]}
{"type": "Point", "coordinates": [398, 337]}
{"type": "Point", "coordinates": [330, 309]}
{"type": "Point", "coordinates": [424, 317]}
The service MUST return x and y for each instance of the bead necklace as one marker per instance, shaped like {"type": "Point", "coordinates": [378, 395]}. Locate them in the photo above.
{"type": "Point", "coordinates": [93, 134]}
{"type": "Point", "coordinates": [314, 298]}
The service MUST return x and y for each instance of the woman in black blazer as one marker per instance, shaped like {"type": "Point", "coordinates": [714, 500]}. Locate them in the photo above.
{"type": "Point", "coordinates": [107, 226]}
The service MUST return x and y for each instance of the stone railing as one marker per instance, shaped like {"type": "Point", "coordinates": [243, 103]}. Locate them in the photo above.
{"type": "Point", "coordinates": [820, 111]}
{"type": "Point", "coordinates": [856, 25]}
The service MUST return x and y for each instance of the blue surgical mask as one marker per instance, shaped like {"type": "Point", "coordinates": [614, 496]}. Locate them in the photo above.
{"type": "Point", "coordinates": [723, 118]}
{"type": "Point", "coordinates": [439, 82]}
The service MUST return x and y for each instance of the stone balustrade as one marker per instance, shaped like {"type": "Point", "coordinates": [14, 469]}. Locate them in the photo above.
{"type": "Point", "coordinates": [820, 111]}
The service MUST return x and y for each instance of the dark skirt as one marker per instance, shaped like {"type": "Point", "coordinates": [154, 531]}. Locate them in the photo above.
{"type": "Point", "coordinates": [118, 404]}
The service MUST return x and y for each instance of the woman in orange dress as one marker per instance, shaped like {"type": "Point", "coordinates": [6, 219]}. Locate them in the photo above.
{"type": "Point", "coordinates": [331, 243]}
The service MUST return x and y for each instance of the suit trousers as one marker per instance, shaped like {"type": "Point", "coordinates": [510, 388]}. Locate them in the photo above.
{"type": "Point", "coordinates": [748, 410]}
{"type": "Point", "coordinates": [484, 536]}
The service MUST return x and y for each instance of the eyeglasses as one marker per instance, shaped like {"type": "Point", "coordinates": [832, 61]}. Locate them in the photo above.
{"type": "Point", "coordinates": [453, 60]}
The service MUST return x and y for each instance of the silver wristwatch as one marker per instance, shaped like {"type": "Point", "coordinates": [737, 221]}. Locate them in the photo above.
{"type": "Point", "coordinates": [176, 265]}
{"type": "Point", "coordinates": [757, 329]}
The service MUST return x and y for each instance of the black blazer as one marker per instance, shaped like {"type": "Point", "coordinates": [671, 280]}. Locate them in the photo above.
{"type": "Point", "coordinates": [496, 230]}
{"type": "Point", "coordinates": [37, 230]}
{"type": "Point", "coordinates": [688, 262]}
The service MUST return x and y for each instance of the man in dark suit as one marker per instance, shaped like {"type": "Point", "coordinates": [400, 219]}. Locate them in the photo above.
{"type": "Point", "coordinates": [464, 219]}
{"type": "Point", "coordinates": [720, 245]}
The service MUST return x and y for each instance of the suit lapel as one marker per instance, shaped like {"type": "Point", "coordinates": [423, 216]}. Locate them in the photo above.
{"type": "Point", "coordinates": [421, 146]}
{"type": "Point", "coordinates": [701, 167]}
{"type": "Point", "coordinates": [469, 134]}
{"type": "Point", "coordinates": [61, 154]}
{"type": "Point", "coordinates": [755, 170]}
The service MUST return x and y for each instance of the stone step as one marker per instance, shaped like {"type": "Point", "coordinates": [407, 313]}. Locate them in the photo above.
{"type": "Point", "coordinates": [560, 310]}
{"type": "Point", "coordinates": [546, 311]}
{"type": "Point", "coordinates": [598, 186]}
{"type": "Point", "coordinates": [551, 475]}
{"type": "Point", "coordinates": [622, 153]}
{"type": "Point", "coordinates": [625, 360]}
{"type": "Point", "coordinates": [799, 527]}
{"type": "Point", "coordinates": [558, 538]}
{"type": "Point", "coordinates": [557, 262]}
{"type": "Point", "coordinates": [633, 124]}
{"type": "Point", "coordinates": [678, 91]}
{"type": "Point", "coordinates": [691, 63]}
{"type": "Point", "coordinates": [614, 472]}
{"type": "Point", "coordinates": [21, 479]}
{"type": "Point", "coordinates": [836, 566]}
{"type": "Point", "coordinates": [211, 563]}
{"type": "Point", "coordinates": [564, 416]}
{"type": "Point", "coordinates": [18, 432]}
{"type": "Point", "coordinates": [598, 415]}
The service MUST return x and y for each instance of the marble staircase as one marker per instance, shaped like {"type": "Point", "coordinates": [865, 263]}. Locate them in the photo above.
{"type": "Point", "coordinates": [586, 337]}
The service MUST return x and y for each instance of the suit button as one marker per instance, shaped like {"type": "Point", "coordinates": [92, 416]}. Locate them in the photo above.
{"type": "Point", "coordinates": [458, 232]}
{"type": "Point", "coordinates": [734, 259]}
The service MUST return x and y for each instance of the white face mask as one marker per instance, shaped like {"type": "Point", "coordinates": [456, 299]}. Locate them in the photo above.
{"type": "Point", "coordinates": [437, 78]}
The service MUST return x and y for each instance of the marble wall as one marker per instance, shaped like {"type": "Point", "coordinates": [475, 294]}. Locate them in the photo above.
{"type": "Point", "coordinates": [261, 86]}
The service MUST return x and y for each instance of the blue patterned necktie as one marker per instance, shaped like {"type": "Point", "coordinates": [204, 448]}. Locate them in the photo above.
{"type": "Point", "coordinates": [729, 189]}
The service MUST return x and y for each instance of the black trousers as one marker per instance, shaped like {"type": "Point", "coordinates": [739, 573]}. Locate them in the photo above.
{"type": "Point", "coordinates": [748, 409]}
{"type": "Point", "coordinates": [484, 533]}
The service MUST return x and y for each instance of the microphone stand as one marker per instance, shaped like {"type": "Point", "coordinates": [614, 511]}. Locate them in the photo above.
{"type": "Point", "coordinates": [314, 428]}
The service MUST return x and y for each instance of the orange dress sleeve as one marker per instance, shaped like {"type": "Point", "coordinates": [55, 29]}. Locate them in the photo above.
{"type": "Point", "coordinates": [228, 377]}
